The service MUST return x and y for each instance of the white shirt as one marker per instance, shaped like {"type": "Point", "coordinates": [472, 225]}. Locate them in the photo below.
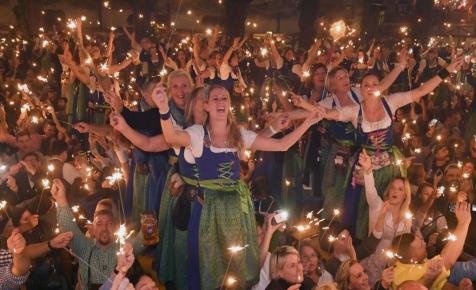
{"type": "Point", "coordinates": [264, 278]}
{"type": "Point", "coordinates": [395, 101]}
{"type": "Point", "coordinates": [197, 133]}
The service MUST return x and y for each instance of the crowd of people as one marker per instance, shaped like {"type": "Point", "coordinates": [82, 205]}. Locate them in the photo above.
{"type": "Point", "coordinates": [193, 161]}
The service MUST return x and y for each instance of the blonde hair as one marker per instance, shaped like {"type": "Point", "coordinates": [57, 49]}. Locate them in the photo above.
{"type": "Point", "coordinates": [180, 73]}
{"type": "Point", "coordinates": [343, 274]}
{"type": "Point", "coordinates": [326, 286]}
{"type": "Point", "coordinates": [278, 260]}
{"type": "Point", "coordinates": [234, 133]}
{"type": "Point", "coordinates": [405, 207]}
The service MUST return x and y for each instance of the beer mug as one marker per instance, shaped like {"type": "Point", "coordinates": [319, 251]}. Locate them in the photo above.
{"type": "Point", "coordinates": [150, 229]}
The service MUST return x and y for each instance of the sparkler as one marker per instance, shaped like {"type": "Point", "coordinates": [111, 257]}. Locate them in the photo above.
{"type": "Point", "coordinates": [122, 236]}
{"type": "Point", "coordinates": [71, 24]}
{"type": "Point", "coordinates": [3, 167]}
{"type": "Point", "coordinates": [3, 206]}
{"type": "Point", "coordinates": [338, 30]}
{"type": "Point", "coordinates": [450, 237]}
{"type": "Point", "coordinates": [51, 167]}
{"type": "Point", "coordinates": [35, 120]}
{"type": "Point", "coordinates": [234, 250]}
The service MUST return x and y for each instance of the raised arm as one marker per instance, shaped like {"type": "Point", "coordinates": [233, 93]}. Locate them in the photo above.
{"type": "Point", "coordinates": [225, 65]}
{"type": "Point", "coordinates": [149, 144]}
{"type": "Point", "coordinates": [453, 248]}
{"type": "Point", "coordinates": [431, 84]}
{"type": "Point", "coordinates": [172, 136]}
{"type": "Point", "coordinates": [270, 144]}
{"type": "Point", "coordinates": [393, 75]}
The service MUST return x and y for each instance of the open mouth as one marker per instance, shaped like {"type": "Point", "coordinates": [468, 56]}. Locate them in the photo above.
{"type": "Point", "coordinates": [221, 109]}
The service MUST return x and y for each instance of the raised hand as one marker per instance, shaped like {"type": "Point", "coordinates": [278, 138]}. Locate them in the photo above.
{"type": "Point", "coordinates": [455, 64]}
{"type": "Point", "coordinates": [463, 212]}
{"type": "Point", "coordinates": [125, 259]}
{"type": "Point", "coordinates": [16, 243]}
{"type": "Point", "coordinates": [160, 98]}
{"type": "Point", "coordinates": [117, 121]}
{"type": "Point", "coordinates": [403, 58]}
{"type": "Point", "coordinates": [387, 277]}
{"type": "Point", "coordinates": [58, 192]}
{"type": "Point", "coordinates": [297, 100]}
{"type": "Point", "coordinates": [365, 161]}
{"type": "Point", "coordinates": [61, 240]}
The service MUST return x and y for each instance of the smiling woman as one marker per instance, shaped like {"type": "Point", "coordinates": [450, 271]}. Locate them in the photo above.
{"type": "Point", "coordinates": [226, 218]}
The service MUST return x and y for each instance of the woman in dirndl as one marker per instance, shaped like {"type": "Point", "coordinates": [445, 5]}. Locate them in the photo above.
{"type": "Point", "coordinates": [373, 120]}
{"type": "Point", "coordinates": [227, 217]}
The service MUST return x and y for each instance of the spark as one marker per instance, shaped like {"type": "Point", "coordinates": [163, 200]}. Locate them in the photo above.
{"type": "Point", "coordinates": [408, 215]}
{"type": "Point", "coordinates": [46, 183]}
{"type": "Point", "coordinates": [450, 237]}
{"type": "Point", "coordinates": [235, 249]}
{"type": "Point", "coordinates": [302, 228]}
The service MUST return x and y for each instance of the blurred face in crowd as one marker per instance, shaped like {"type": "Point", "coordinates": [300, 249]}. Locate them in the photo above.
{"type": "Point", "coordinates": [234, 60]}
{"type": "Point", "coordinates": [179, 90]}
{"type": "Point", "coordinates": [33, 161]}
{"type": "Point", "coordinates": [309, 260]}
{"type": "Point", "coordinates": [417, 250]}
{"type": "Point", "coordinates": [25, 143]}
{"type": "Point", "coordinates": [319, 77]}
{"type": "Point", "coordinates": [396, 193]}
{"type": "Point", "coordinates": [289, 55]}
{"type": "Point", "coordinates": [103, 229]}
{"type": "Point", "coordinates": [468, 168]}
{"type": "Point", "coordinates": [218, 60]}
{"type": "Point", "coordinates": [25, 217]}
{"type": "Point", "coordinates": [218, 104]}
{"type": "Point", "coordinates": [292, 270]}
{"type": "Point", "coordinates": [377, 53]}
{"type": "Point", "coordinates": [452, 175]}
{"type": "Point", "coordinates": [181, 56]}
{"type": "Point", "coordinates": [341, 82]}
{"type": "Point", "coordinates": [358, 279]}
{"type": "Point", "coordinates": [426, 193]}
{"type": "Point", "coordinates": [442, 155]}
{"type": "Point", "coordinates": [49, 130]}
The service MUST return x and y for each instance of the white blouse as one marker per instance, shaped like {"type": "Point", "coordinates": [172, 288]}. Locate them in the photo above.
{"type": "Point", "coordinates": [395, 101]}
{"type": "Point", "coordinates": [197, 133]}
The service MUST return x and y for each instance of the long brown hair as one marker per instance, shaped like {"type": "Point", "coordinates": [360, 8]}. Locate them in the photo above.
{"type": "Point", "coordinates": [234, 134]}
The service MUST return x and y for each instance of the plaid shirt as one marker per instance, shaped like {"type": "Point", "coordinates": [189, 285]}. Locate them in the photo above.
{"type": "Point", "coordinates": [103, 262]}
{"type": "Point", "coordinates": [5, 258]}
{"type": "Point", "coordinates": [8, 281]}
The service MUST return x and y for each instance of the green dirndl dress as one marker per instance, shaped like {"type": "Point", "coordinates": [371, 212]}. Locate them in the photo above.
{"type": "Point", "coordinates": [384, 156]}
{"type": "Point", "coordinates": [172, 248]}
{"type": "Point", "coordinates": [227, 219]}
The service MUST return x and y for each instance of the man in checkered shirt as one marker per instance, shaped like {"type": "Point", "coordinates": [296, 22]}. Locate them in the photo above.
{"type": "Point", "coordinates": [14, 265]}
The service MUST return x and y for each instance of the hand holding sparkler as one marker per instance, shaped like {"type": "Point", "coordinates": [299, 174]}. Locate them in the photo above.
{"type": "Point", "coordinates": [387, 277]}
{"type": "Point", "coordinates": [16, 243]}
{"type": "Point", "coordinates": [125, 259]}
{"type": "Point", "coordinates": [59, 193]}
{"type": "Point", "coordinates": [61, 240]}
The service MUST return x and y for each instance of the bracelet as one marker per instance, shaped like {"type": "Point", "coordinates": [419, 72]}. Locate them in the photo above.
{"type": "Point", "coordinates": [49, 245]}
{"type": "Point", "coordinates": [443, 73]}
{"type": "Point", "coordinates": [272, 130]}
{"type": "Point", "coordinates": [165, 116]}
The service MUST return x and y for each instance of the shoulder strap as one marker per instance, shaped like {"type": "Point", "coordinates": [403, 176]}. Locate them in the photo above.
{"type": "Point", "coordinates": [387, 107]}
{"type": "Point", "coordinates": [354, 96]}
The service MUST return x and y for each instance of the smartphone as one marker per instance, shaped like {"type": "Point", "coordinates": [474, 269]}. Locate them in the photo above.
{"type": "Point", "coordinates": [433, 123]}
{"type": "Point", "coordinates": [281, 216]}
